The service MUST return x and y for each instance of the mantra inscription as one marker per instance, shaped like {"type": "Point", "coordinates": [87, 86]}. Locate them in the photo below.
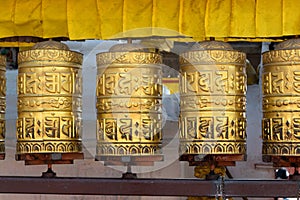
{"type": "Point", "coordinates": [281, 102]}
{"type": "Point", "coordinates": [49, 102]}
{"type": "Point", "coordinates": [213, 102]}
{"type": "Point", "coordinates": [2, 102]}
{"type": "Point", "coordinates": [129, 97]}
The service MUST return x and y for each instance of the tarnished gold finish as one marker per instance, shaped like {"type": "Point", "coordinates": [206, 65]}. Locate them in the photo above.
{"type": "Point", "coordinates": [2, 102]}
{"type": "Point", "coordinates": [281, 100]}
{"type": "Point", "coordinates": [213, 100]}
{"type": "Point", "coordinates": [49, 99]}
{"type": "Point", "coordinates": [129, 97]}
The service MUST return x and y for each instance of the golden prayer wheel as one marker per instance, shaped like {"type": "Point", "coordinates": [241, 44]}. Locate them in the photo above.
{"type": "Point", "coordinates": [49, 99]}
{"type": "Point", "coordinates": [212, 100]}
{"type": "Point", "coordinates": [129, 98]}
{"type": "Point", "coordinates": [2, 102]}
{"type": "Point", "coordinates": [281, 100]}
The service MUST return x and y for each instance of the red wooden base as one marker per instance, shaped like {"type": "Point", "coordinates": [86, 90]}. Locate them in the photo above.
{"type": "Point", "coordinates": [130, 160]}
{"type": "Point", "coordinates": [2, 156]}
{"type": "Point", "coordinates": [48, 158]}
{"type": "Point", "coordinates": [282, 161]}
{"type": "Point", "coordinates": [219, 160]}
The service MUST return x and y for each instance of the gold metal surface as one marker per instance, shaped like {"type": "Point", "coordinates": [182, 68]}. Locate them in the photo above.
{"type": "Point", "coordinates": [129, 97]}
{"type": "Point", "coordinates": [281, 100]}
{"type": "Point", "coordinates": [49, 99]}
{"type": "Point", "coordinates": [213, 100]}
{"type": "Point", "coordinates": [2, 102]}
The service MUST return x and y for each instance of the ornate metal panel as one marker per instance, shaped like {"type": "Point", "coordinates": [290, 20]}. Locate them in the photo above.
{"type": "Point", "coordinates": [281, 100]}
{"type": "Point", "coordinates": [129, 97]}
{"type": "Point", "coordinates": [49, 99]}
{"type": "Point", "coordinates": [213, 100]}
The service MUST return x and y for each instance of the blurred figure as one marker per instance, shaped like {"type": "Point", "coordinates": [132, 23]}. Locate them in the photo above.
{"type": "Point", "coordinates": [281, 173]}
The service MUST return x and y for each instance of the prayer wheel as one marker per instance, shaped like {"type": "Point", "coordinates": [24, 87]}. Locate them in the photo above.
{"type": "Point", "coordinates": [129, 98]}
{"type": "Point", "coordinates": [212, 100]}
{"type": "Point", "coordinates": [281, 100]}
{"type": "Point", "coordinates": [49, 99]}
{"type": "Point", "coordinates": [2, 102]}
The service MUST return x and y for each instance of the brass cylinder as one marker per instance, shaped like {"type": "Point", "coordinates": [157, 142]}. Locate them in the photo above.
{"type": "Point", "coordinates": [281, 99]}
{"type": "Point", "coordinates": [2, 102]}
{"type": "Point", "coordinates": [49, 99]}
{"type": "Point", "coordinates": [212, 100]}
{"type": "Point", "coordinates": [129, 97]}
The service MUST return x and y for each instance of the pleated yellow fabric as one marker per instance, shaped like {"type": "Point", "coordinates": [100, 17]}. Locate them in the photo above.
{"type": "Point", "coordinates": [137, 18]}
{"type": "Point", "coordinates": [160, 17]}
{"type": "Point", "coordinates": [111, 15]}
{"type": "Point", "coordinates": [193, 11]}
{"type": "Point", "coordinates": [54, 25]}
{"type": "Point", "coordinates": [7, 25]}
{"type": "Point", "coordinates": [291, 17]}
{"type": "Point", "coordinates": [232, 20]}
{"type": "Point", "coordinates": [28, 18]}
{"type": "Point", "coordinates": [217, 19]}
{"type": "Point", "coordinates": [269, 18]}
{"type": "Point", "coordinates": [83, 19]}
{"type": "Point", "coordinates": [242, 18]}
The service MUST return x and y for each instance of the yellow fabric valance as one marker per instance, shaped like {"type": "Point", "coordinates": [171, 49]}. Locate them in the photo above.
{"type": "Point", "coordinates": [249, 20]}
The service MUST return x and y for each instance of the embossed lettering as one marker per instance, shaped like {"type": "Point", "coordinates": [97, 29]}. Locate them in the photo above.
{"type": "Point", "coordinates": [100, 128]}
{"type": "Point", "coordinates": [296, 127]}
{"type": "Point", "coordinates": [67, 82]}
{"type": "Point", "coordinates": [110, 81]}
{"type": "Point", "coordinates": [21, 84]}
{"type": "Point", "coordinates": [191, 127]}
{"type": "Point", "coordinates": [277, 82]}
{"type": "Point", "coordinates": [31, 83]}
{"type": "Point", "coordinates": [2, 85]}
{"type": "Point", "coordinates": [125, 83]}
{"type": "Point", "coordinates": [222, 127]}
{"type": "Point", "coordinates": [78, 127]}
{"type": "Point", "coordinates": [277, 129]}
{"type": "Point", "coordinates": [267, 87]}
{"type": "Point", "coordinates": [52, 127]}
{"type": "Point", "coordinates": [203, 102]}
{"type": "Point", "coordinates": [67, 127]}
{"type": "Point", "coordinates": [78, 81]}
{"type": "Point", "coordinates": [221, 81]}
{"type": "Point", "coordinates": [147, 128]}
{"type": "Point", "coordinates": [29, 128]}
{"type": "Point", "coordinates": [206, 127]}
{"type": "Point", "coordinates": [100, 89]}
{"type": "Point", "coordinates": [205, 81]}
{"type": "Point", "coordinates": [241, 128]}
{"type": "Point", "coordinates": [151, 84]}
{"type": "Point", "coordinates": [296, 83]}
{"type": "Point", "coordinates": [52, 82]}
{"type": "Point", "coordinates": [240, 82]}
{"type": "Point", "coordinates": [111, 129]}
{"type": "Point", "coordinates": [125, 129]}
{"type": "Point", "coordinates": [267, 129]}
{"type": "Point", "coordinates": [191, 82]}
{"type": "Point", "coordinates": [20, 128]}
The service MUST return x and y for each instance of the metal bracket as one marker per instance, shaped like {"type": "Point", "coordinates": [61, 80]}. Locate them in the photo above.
{"type": "Point", "coordinates": [220, 192]}
{"type": "Point", "coordinates": [49, 173]}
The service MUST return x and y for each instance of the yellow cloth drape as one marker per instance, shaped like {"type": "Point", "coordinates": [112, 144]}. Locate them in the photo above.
{"type": "Point", "coordinates": [249, 20]}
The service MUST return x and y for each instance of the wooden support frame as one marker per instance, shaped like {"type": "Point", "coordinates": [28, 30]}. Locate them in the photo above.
{"type": "Point", "coordinates": [130, 160]}
{"type": "Point", "coordinates": [48, 158]}
{"type": "Point", "coordinates": [149, 187]}
{"type": "Point", "coordinates": [220, 160]}
{"type": "Point", "coordinates": [282, 161]}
